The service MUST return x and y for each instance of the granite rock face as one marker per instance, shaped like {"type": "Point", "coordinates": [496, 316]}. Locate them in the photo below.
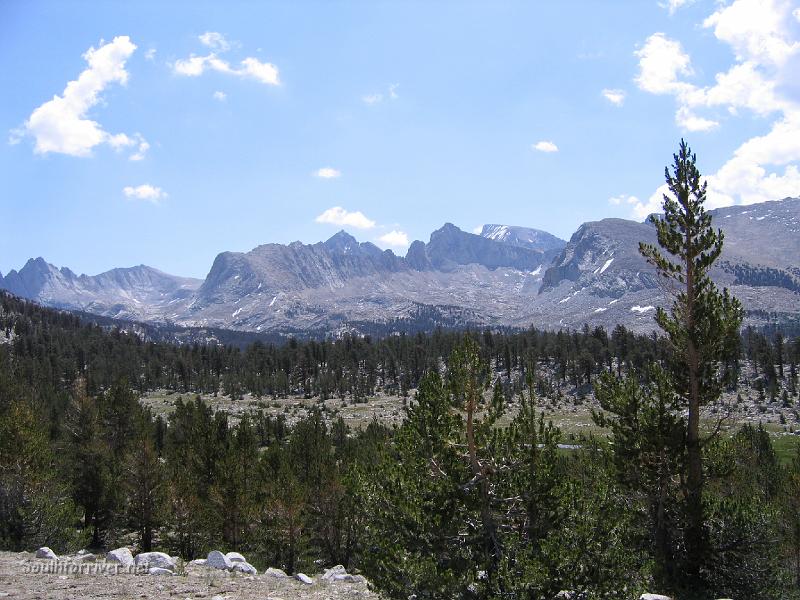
{"type": "Point", "coordinates": [506, 276]}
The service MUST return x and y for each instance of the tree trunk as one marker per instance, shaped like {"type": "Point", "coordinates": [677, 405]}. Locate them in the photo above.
{"type": "Point", "coordinates": [695, 531]}
{"type": "Point", "coordinates": [489, 527]}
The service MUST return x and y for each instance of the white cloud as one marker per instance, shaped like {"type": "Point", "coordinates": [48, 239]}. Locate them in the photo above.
{"type": "Point", "coordinates": [144, 192]}
{"type": "Point", "coordinates": [673, 5]}
{"type": "Point", "coordinates": [190, 67]}
{"type": "Point", "coordinates": [249, 68]}
{"type": "Point", "coordinates": [760, 35]}
{"type": "Point", "coordinates": [339, 216]}
{"type": "Point", "coordinates": [744, 178]}
{"type": "Point", "coordinates": [378, 97]}
{"type": "Point", "coordinates": [796, 14]}
{"type": "Point", "coordinates": [641, 209]}
{"type": "Point", "coordinates": [689, 121]}
{"type": "Point", "coordinates": [372, 98]}
{"type": "Point", "coordinates": [757, 32]}
{"type": "Point", "coordinates": [150, 54]}
{"type": "Point", "coordinates": [622, 199]}
{"type": "Point", "coordinates": [221, 96]}
{"type": "Point", "coordinates": [141, 149]}
{"type": "Point", "coordinates": [214, 40]}
{"type": "Point", "coordinates": [755, 29]}
{"type": "Point", "coordinates": [260, 71]}
{"type": "Point", "coordinates": [545, 146]}
{"type": "Point", "coordinates": [661, 60]}
{"type": "Point", "coordinates": [62, 124]}
{"type": "Point", "coordinates": [395, 239]}
{"type": "Point", "coordinates": [16, 135]}
{"type": "Point", "coordinates": [327, 173]}
{"type": "Point", "coordinates": [616, 97]}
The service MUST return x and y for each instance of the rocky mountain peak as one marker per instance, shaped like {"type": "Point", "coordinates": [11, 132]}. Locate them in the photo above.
{"type": "Point", "coordinates": [507, 276]}
{"type": "Point", "coordinates": [527, 237]}
{"type": "Point", "coordinates": [341, 242]}
{"type": "Point", "coordinates": [449, 246]}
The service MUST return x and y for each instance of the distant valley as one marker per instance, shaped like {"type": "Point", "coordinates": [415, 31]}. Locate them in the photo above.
{"type": "Point", "coordinates": [507, 276]}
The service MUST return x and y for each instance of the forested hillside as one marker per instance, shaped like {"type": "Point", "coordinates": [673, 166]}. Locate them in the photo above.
{"type": "Point", "coordinates": [84, 464]}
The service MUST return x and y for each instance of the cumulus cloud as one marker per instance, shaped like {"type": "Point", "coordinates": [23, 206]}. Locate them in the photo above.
{"type": "Point", "coordinates": [221, 96]}
{"type": "Point", "coordinates": [545, 146]}
{"type": "Point", "coordinates": [248, 68]}
{"type": "Point", "coordinates": [674, 5]}
{"type": "Point", "coordinates": [761, 35]}
{"type": "Point", "coordinates": [144, 192]}
{"type": "Point", "coordinates": [689, 121]}
{"type": "Point", "coordinates": [616, 97]}
{"type": "Point", "coordinates": [62, 124]}
{"type": "Point", "coordinates": [214, 40]}
{"type": "Point", "coordinates": [757, 30]}
{"type": "Point", "coordinates": [378, 97]}
{"type": "Point", "coordinates": [260, 71]}
{"type": "Point", "coordinates": [394, 239]}
{"type": "Point", "coordinates": [327, 173]}
{"type": "Point", "coordinates": [758, 33]}
{"type": "Point", "coordinates": [640, 209]}
{"type": "Point", "coordinates": [339, 216]}
{"type": "Point", "coordinates": [141, 148]}
{"type": "Point", "coordinates": [661, 61]}
{"type": "Point", "coordinates": [150, 54]}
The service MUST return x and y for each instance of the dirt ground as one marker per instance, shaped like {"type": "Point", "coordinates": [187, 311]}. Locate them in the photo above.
{"type": "Point", "coordinates": [24, 577]}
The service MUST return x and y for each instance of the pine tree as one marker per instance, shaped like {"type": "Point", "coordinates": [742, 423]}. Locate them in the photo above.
{"type": "Point", "coordinates": [89, 460]}
{"type": "Point", "coordinates": [468, 383]}
{"type": "Point", "coordinates": [145, 486]}
{"type": "Point", "coordinates": [702, 325]}
{"type": "Point", "coordinates": [647, 443]}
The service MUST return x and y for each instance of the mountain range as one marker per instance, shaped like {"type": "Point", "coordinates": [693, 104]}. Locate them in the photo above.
{"type": "Point", "coordinates": [506, 276]}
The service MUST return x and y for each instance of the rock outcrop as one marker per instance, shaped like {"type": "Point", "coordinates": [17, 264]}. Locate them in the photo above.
{"type": "Point", "coordinates": [217, 560]}
{"type": "Point", "coordinates": [46, 553]}
{"type": "Point", "coordinates": [507, 276]}
{"type": "Point", "coordinates": [160, 560]}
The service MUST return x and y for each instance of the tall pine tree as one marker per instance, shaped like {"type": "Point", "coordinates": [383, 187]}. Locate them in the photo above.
{"type": "Point", "coordinates": [702, 325]}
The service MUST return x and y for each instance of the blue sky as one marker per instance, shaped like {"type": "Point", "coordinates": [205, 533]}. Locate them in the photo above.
{"type": "Point", "coordinates": [195, 128]}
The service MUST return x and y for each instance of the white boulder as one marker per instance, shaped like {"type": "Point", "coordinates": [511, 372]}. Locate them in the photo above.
{"type": "Point", "coordinates": [122, 556]}
{"type": "Point", "coordinates": [276, 573]}
{"type": "Point", "coordinates": [45, 552]}
{"type": "Point", "coordinates": [159, 560]}
{"type": "Point", "coordinates": [159, 571]}
{"type": "Point", "coordinates": [245, 567]}
{"type": "Point", "coordinates": [197, 562]}
{"type": "Point", "coordinates": [330, 574]}
{"type": "Point", "coordinates": [654, 597]}
{"type": "Point", "coordinates": [218, 560]}
{"type": "Point", "coordinates": [235, 557]}
{"type": "Point", "coordinates": [303, 578]}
